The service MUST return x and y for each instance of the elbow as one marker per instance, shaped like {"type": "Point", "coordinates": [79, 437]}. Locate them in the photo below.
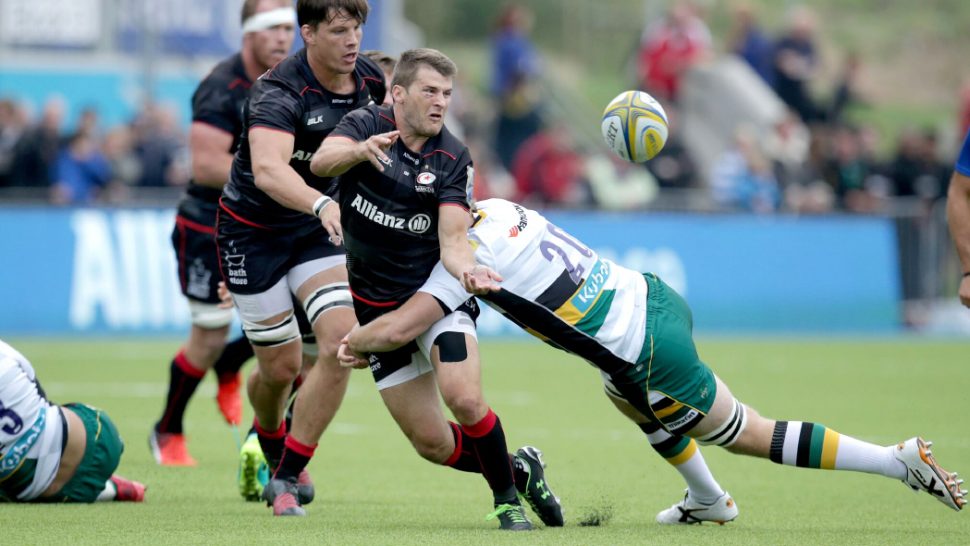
{"type": "Point", "coordinates": [398, 336]}
{"type": "Point", "coordinates": [318, 167]}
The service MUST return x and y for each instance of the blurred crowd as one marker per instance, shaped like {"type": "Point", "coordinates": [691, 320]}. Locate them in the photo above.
{"type": "Point", "coordinates": [90, 163]}
{"type": "Point", "coordinates": [814, 160]}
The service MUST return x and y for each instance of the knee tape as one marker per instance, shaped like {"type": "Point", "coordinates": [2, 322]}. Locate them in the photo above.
{"type": "Point", "coordinates": [274, 335]}
{"type": "Point", "coordinates": [730, 430]}
{"type": "Point", "coordinates": [209, 315]}
{"type": "Point", "coordinates": [325, 298]}
{"type": "Point", "coordinates": [451, 347]}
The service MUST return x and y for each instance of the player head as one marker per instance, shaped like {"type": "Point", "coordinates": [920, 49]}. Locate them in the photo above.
{"type": "Point", "coordinates": [332, 30]}
{"type": "Point", "coordinates": [268, 30]}
{"type": "Point", "coordinates": [387, 64]}
{"type": "Point", "coordinates": [422, 85]}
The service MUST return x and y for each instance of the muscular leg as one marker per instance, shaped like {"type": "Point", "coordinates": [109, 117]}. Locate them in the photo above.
{"type": "Point", "coordinates": [188, 368]}
{"type": "Point", "coordinates": [458, 371]}
{"type": "Point", "coordinates": [416, 409]}
{"type": "Point", "coordinates": [325, 384]}
{"type": "Point", "coordinates": [795, 443]}
{"type": "Point", "coordinates": [682, 453]}
{"type": "Point", "coordinates": [269, 388]}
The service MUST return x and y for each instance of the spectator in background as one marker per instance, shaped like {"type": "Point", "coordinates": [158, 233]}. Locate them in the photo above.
{"type": "Point", "coordinates": [846, 89]}
{"type": "Point", "coordinates": [159, 146]}
{"type": "Point", "coordinates": [848, 172]}
{"type": "Point", "coordinates": [787, 148]}
{"type": "Point", "coordinates": [515, 67]}
{"type": "Point", "coordinates": [748, 41]}
{"type": "Point", "coordinates": [13, 124]}
{"type": "Point", "coordinates": [669, 47]}
{"type": "Point", "coordinates": [912, 169]}
{"type": "Point", "coordinates": [742, 177]}
{"type": "Point", "coordinates": [795, 61]}
{"type": "Point", "coordinates": [35, 155]}
{"type": "Point", "coordinates": [673, 167]}
{"type": "Point", "coordinates": [82, 172]}
{"type": "Point", "coordinates": [548, 170]}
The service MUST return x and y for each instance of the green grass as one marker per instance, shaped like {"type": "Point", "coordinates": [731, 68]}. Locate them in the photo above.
{"type": "Point", "coordinates": [373, 489]}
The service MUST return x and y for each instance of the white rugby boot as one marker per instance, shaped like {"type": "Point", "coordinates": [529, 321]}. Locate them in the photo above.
{"type": "Point", "coordinates": [689, 511]}
{"type": "Point", "coordinates": [923, 473]}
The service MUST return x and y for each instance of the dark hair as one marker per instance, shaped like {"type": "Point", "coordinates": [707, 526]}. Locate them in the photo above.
{"type": "Point", "coordinates": [407, 67]}
{"type": "Point", "coordinates": [249, 8]}
{"type": "Point", "coordinates": [383, 60]}
{"type": "Point", "coordinates": [314, 12]}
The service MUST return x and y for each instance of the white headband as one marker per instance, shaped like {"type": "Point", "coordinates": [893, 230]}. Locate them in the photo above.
{"type": "Point", "coordinates": [268, 19]}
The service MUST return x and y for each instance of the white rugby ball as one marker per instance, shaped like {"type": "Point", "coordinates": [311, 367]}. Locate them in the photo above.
{"type": "Point", "coordinates": [634, 126]}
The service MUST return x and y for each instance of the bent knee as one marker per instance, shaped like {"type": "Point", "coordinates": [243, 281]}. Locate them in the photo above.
{"type": "Point", "coordinates": [432, 445]}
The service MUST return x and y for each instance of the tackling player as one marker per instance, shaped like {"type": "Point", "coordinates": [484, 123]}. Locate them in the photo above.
{"type": "Point", "coordinates": [54, 453]}
{"type": "Point", "coordinates": [958, 215]}
{"type": "Point", "coordinates": [271, 241]}
{"type": "Point", "coordinates": [217, 104]}
{"type": "Point", "coordinates": [638, 332]}
{"type": "Point", "coordinates": [405, 189]}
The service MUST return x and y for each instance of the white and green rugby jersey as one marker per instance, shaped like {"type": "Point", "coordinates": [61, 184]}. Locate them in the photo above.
{"type": "Point", "coordinates": [31, 430]}
{"type": "Point", "coordinates": [554, 286]}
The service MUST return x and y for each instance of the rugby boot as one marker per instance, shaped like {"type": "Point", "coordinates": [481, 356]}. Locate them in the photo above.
{"type": "Point", "coordinates": [169, 449]}
{"type": "Point", "coordinates": [128, 490]}
{"type": "Point", "coordinates": [229, 400]}
{"type": "Point", "coordinates": [253, 470]}
{"type": "Point", "coordinates": [282, 496]}
{"type": "Point", "coordinates": [304, 487]}
{"type": "Point", "coordinates": [690, 511]}
{"type": "Point", "coordinates": [923, 473]}
{"type": "Point", "coordinates": [511, 517]}
{"type": "Point", "coordinates": [532, 486]}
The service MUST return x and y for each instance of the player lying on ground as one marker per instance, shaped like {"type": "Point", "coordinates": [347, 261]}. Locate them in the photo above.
{"type": "Point", "coordinates": [53, 453]}
{"type": "Point", "coordinates": [638, 332]}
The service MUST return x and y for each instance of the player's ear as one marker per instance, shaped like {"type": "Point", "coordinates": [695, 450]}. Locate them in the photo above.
{"type": "Point", "coordinates": [307, 33]}
{"type": "Point", "coordinates": [398, 93]}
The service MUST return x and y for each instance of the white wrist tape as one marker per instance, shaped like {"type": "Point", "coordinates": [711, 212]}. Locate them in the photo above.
{"type": "Point", "coordinates": [319, 204]}
{"type": "Point", "coordinates": [265, 20]}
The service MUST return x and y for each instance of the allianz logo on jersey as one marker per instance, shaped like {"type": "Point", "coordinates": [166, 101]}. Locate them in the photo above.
{"type": "Point", "coordinates": [419, 223]}
{"type": "Point", "coordinates": [300, 155]}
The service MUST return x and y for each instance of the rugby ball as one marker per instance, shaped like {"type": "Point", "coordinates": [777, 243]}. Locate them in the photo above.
{"type": "Point", "coordinates": [634, 126]}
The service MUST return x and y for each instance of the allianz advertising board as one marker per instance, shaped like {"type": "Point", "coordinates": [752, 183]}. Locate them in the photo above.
{"type": "Point", "coordinates": [112, 271]}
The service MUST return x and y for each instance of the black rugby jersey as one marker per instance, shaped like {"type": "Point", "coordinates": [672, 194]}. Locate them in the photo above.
{"type": "Point", "coordinates": [289, 98]}
{"type": "Point", "coordinates": [390, 218]}
{"type": "Point", "coordinates": [218, 101]}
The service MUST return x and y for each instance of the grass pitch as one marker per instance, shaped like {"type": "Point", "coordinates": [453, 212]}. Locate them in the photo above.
{"type": "Point", "coordinates": [373, 489]}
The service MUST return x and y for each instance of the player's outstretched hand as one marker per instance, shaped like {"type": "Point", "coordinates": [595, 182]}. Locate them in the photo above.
{"type": "Point", "coordinates": [481, 280]}
{"type": "Point", "coordinates": [348, 358]}
{"type": "Point", "coordinates": [330, 219]}
{"type": "Point", "coordinates": [376, 147]}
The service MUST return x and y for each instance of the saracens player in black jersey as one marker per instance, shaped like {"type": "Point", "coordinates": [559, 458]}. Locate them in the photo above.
{"type": "Point", "coordinates": [405, 195]}
{"type": "Point", "coordinates": [272, 242]}
{"type": "Point", "coordinates": [268, 27]}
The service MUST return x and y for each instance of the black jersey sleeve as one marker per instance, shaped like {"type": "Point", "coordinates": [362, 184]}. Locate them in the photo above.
{"type": "Point", "coordinates": [213, 105]}
{"type": "Point", "coordinates": [359, 125]}
{"type": "Point", "coordinates": [373, 78]}
{"type": "Point", "coordinates": [274, 105]}
{"type": "Point", "coordinates": [459, 186]}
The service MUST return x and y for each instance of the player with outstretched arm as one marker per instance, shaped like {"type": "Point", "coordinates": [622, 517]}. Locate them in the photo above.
{"type": "Point", "coordinates": [405, 190]}
{"type": "Point", "coordinates": [638, 332]}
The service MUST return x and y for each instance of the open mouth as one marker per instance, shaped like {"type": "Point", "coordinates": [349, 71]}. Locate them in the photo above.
{"type": "Point", "coordinates": [350, 57]}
